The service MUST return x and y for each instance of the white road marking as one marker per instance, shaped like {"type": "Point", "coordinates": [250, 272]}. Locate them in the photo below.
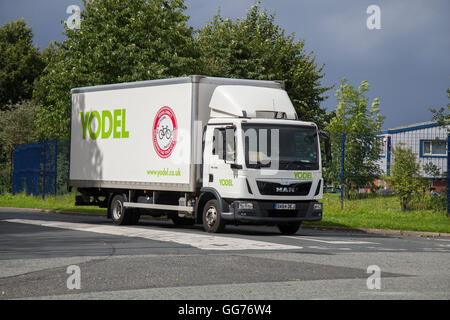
{"type": "Point", "coordinates": [329, 241]}
{"type": "Point", "coordinates": [201, 241]}
{"type": "Point", "coordinates": [319, 248]}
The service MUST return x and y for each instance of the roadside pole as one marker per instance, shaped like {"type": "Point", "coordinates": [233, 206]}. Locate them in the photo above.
{"type": "Point", "coordinates": [342, 170]}
{"type": "Point", "coordinates": [448, 173]}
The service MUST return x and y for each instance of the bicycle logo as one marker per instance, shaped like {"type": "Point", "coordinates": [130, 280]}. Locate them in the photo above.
{"type": "Point", "coordinates": [165, 131]}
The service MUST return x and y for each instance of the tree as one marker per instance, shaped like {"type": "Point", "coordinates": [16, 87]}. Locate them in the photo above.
{"type": "Point", "coordinates": [16, 128]}
{"type": "Point", "coordinates": [256, 48]}
{"type": "Point", "coordinates": [431, 170]}
{"type": "Point", "coordinates": [119, 41]}
{"type": "Point", "coordinates": [439, 115]}
{"type": "Point", "coordinates": [405, 175]}
{"type": "Point", "coordinates": [361, 125]}
{"type": "Point", "coordinates": [20, 63]}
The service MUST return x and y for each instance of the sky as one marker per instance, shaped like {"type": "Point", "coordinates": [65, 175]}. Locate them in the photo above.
{"type": "Point", "coordinates": [406, 61]}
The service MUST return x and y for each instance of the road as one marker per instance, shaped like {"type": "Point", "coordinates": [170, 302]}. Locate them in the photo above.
{"type": "Point", "coordinates": [156, 260]}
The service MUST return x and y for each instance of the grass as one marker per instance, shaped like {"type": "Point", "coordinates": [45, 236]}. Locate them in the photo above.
{"type": "Point", "coordinates": [61, 202]}
{"type": "Point", "coordinates": [376, 213]}
{"type": "Point", "coordinates": [380, 213]}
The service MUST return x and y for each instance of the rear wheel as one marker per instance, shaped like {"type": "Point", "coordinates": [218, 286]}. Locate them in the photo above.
{"type": "Point", "coordinates": [212, 220]}
{"type": "Point", "coordinates": [121, 215]}
{"type": "Point", "coordinates": [289, 228]}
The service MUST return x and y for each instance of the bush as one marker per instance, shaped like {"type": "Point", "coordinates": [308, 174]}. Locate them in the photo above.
{"type": "Point", "coordinates": [5, 183]}
{"type": "Point", "coordinates": [427, 201]}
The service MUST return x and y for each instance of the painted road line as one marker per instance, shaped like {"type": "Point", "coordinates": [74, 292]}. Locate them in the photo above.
{"type": "Point", "coordinates": [201, 241]}
{"type": "Point", "coordinates": [320, 248]}
{"type": "Point", "coordinates": [330, 241]}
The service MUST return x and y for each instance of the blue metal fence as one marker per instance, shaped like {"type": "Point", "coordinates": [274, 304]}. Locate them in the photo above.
{"type": "Point", "coordinates": [40, 168]}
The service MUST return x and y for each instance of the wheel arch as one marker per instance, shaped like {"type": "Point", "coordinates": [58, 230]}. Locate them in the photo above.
{"type": "Point", "coordinates": [206, 194]}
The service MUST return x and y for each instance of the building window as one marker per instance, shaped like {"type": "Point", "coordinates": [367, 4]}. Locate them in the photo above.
{"type": "Point", "coordinates": [433, 148]}
{"type": "Point", "coordinates": [382, 145]}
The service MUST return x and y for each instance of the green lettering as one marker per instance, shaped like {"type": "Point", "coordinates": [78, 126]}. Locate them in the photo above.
{"type": "Point", "coordinates": [94, 135]}
{"type": "Point", "coordinates": [226, 182]}
{"type": "Point", "coordinates": [303, 175]}
{"type": "Point", "coordinates": [84, 122]}
{"type": "Point", "coordinates": [117, 124]}
{"type": "Point", "coordinates": [125, 133]}
{"type": "Point", "coordinates": [106, 115]}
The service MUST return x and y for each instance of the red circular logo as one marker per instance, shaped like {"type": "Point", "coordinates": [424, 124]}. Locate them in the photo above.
{"type": "Point", "coordinates": [165, 132]}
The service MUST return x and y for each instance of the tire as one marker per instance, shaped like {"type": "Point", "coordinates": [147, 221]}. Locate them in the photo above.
{"type": "Point", "coordinates": [120, 215]}
{"type": "Point", "coordinates": [289, 228]}
{"type": "Point", "coordinates": [212, 220]}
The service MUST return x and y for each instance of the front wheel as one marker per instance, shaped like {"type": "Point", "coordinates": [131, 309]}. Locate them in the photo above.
{"type": "Point", "coordinates": [212, 220]}
{"type": "Point", "coordinates": [289, 228]}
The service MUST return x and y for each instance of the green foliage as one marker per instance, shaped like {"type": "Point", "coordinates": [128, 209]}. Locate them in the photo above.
{"type": "Point", "coordinates": [423, 200]}
{"type": "Point", "coordinates": [381, 213]}
{"type": "Point", "coordinates": [361, 124]}
{"type": "Point", "coordinates": [431, 170]}
{"type": "Point", "coordinates": [405, 176]}
{"type": "Point", "coordinates": [16, 125]}
{"type": "Point", "coordinates": [256, 48]}
{"type": "Point", "coordinates": [439, 115]}
{"type": "Point", "coordinates": [119, 41]}
{"type": "Point", "coordinates": [20, 63]}
{"type": "Point", "coordinates": [16, 128]}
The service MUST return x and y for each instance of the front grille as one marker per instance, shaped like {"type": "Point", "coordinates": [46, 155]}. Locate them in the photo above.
{"type": "Point", "coordinates": [273, 188]}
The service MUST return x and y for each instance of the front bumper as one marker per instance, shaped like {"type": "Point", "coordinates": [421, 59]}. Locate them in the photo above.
{"type": "Point", "coordinates": [265, 212]}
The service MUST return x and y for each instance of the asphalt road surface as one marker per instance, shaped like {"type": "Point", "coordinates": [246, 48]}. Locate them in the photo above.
{"type": "Point", "coordinates": [50, 256]}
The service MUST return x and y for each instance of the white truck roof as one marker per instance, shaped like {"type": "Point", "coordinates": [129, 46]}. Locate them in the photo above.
{"type": "Point", "coordinates": [251, 102]}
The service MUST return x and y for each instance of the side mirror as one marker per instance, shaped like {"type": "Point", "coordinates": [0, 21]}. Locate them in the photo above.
{"type": "Point", "coordinates": [325, 137]}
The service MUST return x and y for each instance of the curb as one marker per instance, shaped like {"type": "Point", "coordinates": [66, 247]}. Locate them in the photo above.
{"type": "Point", "coordinates": [387, 232]}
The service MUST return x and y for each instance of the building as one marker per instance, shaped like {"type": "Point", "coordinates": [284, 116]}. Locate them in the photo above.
{"type": "Point", "coordinates": [427, 140]}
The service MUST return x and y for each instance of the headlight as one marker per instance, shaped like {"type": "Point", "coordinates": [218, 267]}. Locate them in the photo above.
{"type": "Point", "coordinates": [245, 206]}
{"type": "Point", "coordinates": [317, 206]}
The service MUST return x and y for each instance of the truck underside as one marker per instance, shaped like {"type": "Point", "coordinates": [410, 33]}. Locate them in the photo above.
{"type": "Point", "coordinates": [206, 207]}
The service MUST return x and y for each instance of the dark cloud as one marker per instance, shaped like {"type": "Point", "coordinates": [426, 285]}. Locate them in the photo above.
{"type": "Point", "coordinates": [406, 62]}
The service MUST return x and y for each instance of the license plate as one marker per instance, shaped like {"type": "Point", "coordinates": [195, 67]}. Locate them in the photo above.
{"type": "Point", "coordinates": [285, 206]}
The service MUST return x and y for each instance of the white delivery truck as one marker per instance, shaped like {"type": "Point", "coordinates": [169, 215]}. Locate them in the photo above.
{"type": "Point", "coordinates": [198, 149]}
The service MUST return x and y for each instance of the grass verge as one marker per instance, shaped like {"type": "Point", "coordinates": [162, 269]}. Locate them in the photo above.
{"type": "Point", "coordinates": [60, 202]}
{"type": "Point", "coordinates": [380, 213]}
{"type": "Point", "coordinates": [376, 213]}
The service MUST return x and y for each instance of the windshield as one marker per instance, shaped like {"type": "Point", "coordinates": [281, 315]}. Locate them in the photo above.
{"type": "Point", "coordinates": [280, 147]}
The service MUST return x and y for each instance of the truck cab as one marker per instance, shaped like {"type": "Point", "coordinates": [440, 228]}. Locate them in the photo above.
{"type": "Point", "coordinates": [262, 163]}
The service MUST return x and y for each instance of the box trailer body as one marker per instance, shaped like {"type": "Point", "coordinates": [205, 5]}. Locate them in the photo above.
{"type": "Point", "coordinates": [160, 147]}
